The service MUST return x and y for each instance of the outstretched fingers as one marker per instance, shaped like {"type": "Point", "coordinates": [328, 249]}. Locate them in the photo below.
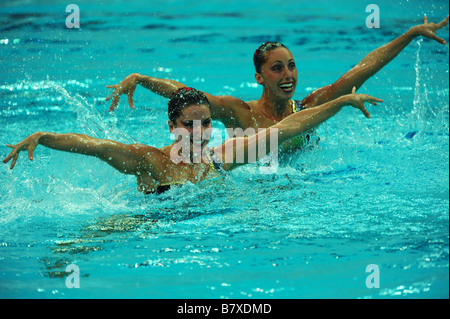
{"type": "Point", "coordinates": [114, 103]}
{"type": "Point", "coordinates": [8, 158]}
{"type": "Point", "coordinates": [114, 95]}
{"type": "Point", "coordinates": [374, 100]}
{"type": "Point", "coordinates": [13, 163]}
{"type": "Point", "coordinates": [440, 25]}
{"type": "Point", "coordinates": [362, 98]}
{"type": "Point", "coordinates": [433, 27]}
{"type": "Point", "coordinates": [13, 155]}
{"type": "Point", "coordinates": [130, 97]}
{"type": "Point", "coordinates": [364, 110]}
{"type": "Point", "coordinates": [434, 37]}
{"type": "Point", "coordinates": [443, 23]}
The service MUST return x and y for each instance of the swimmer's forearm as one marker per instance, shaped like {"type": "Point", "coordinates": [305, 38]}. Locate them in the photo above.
{"type": "Point", "coordinates": [71, 142]}
{"type": "Point", "coordinates": [371, 64]}
{"type": "Point", "coordinates": [127, 159]}
{"type": "Point", "coordinates": [163, 87]}
{"type": "Point", "coordinates": [286, 129]}
{"type": "Point", "coordinates": [359, 74]}
{"type": "Point", "coordinates": [378, 58]}
{"type": "Point", "coordinates": [106, 150]}
{"type": "Point", "coordinates": [305, 120]}
{"type": "Point", "coordinates": [131, 159]}
{"type": "Point", "coordinates": [221, 106]}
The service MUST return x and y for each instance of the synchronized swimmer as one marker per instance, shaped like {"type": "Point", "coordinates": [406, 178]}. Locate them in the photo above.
{"type": "Point", "coordinates": [276, 72]}
{"type": "Point", "coordinates": [155, 169]}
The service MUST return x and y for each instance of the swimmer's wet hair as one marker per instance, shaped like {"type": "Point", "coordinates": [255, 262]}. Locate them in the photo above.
{"type": "Point", "coordinates": [259, 58]}
{"type": "Point", "coordinates": [185, 97]}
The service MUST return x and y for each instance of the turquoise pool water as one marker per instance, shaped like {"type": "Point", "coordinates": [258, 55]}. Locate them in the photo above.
{"type": "Point", "coordinates": [373, 192]}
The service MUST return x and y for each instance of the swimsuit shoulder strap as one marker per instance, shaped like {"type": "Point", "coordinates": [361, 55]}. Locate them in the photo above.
{"type": "Point", "coordinates": [296, 106]}
{"type": "Point", "coordinates": [214, 161]}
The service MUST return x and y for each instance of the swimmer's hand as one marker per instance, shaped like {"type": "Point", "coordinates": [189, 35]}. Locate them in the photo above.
{"type": "Point", "coordinates": [29, 144]}
{"type": "Point", "coordinates": [428, 30]}
{"type": "Point", "coordinates": [127, 86]}
{"type": "Point", "coordinates": [358, 100]}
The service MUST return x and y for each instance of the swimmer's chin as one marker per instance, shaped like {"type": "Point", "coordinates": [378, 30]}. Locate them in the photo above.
{"type": "Point", "coordinates": [199, 144]}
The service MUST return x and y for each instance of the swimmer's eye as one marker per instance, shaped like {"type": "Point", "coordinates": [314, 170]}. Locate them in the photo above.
{"type": "Point", "coordinates": [188, 124]}
{"type": "Point", "coordinates": [277, 68]}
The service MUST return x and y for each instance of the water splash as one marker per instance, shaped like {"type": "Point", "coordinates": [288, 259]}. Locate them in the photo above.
{"type": "Point", "coordinates": [426, 117]}
{"type": "Point", "coordinates": [421, 101]}
{"type": "Point", "coordinates": [91, 120]}
{"type": "Point", "coordinates": [40, 189]}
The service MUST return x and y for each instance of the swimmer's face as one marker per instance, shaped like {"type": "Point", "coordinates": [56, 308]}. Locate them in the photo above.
{"type": "Point", "coordinates": [279, 73]}
{"type": "Point", "coordinates": [201, 114]}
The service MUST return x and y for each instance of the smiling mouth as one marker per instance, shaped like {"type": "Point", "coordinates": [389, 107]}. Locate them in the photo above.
{"type": "Point", "coordinates": [200, 143]}
{"type": "Point", "coordinates": [287, 87]}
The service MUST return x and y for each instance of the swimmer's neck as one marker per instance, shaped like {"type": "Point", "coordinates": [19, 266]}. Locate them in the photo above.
{"type": "Point", "coordinates": [187, 156]}
{"type": "Point", "coordinates": [275, 108]}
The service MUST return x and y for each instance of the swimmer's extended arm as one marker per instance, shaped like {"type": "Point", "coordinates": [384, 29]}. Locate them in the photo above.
{"type": "Point", "coordinates": [223, 108]}
{"type": "Point", "coordinates": [293, 125]}
{"type": "Point", "coordinates": [372, 63]}
{"type": "Point", "coordinates": [127, 159]}
{"type": "Point", "coordinates": [163, 87]}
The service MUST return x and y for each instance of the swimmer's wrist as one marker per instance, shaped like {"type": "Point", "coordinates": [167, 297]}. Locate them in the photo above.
{"type": "Point", "coordinates": [146, 81]}
{"type": "Point", "coordinates": [348, 100]}
{"type": "Point", "coordinates": [37, 137]}
{"type": "Point", "coordinates": [412, 33]}
{"type": "Point", "coordinates": [345, 100]}
{"type": "Point", "coordinates": [42, 136]}
{"type": "Point", "coordinates": [139, 78]}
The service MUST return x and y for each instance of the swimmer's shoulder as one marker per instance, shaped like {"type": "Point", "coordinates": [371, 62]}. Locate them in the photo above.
{"type": "Point", "coordinates": [230, 110]}
{"type": "Point", "coordinates": [252, 105]}
{"type": "Point", "coordinates": [156, 157]}
{"type": "Point", "coordinates": [146, 149]}
{"type": "Point", "coordinates": [231, 103]}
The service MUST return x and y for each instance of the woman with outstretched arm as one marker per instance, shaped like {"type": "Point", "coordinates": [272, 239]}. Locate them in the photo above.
{"type": "Point", "coordinates": [276, 72]}
{"type": "Point", "coordinates": [158, 168]}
